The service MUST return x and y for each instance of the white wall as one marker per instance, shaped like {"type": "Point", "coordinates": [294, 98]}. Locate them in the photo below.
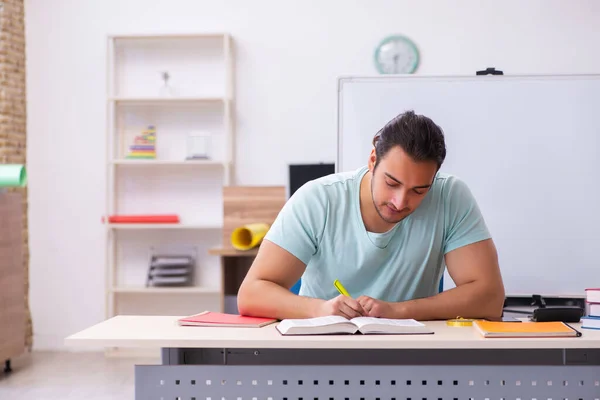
{"type": "Point", "coordinates": [289, 54]}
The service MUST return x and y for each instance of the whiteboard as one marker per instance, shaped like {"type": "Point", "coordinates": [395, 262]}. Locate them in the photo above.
{"type": "Point", "coordinates": [527, 146]}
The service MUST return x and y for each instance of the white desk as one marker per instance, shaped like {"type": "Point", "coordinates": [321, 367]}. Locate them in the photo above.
{"type": "Point", "coordinates": [260, 364]}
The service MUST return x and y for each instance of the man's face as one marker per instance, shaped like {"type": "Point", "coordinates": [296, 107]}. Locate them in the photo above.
{"type": "Point", "coordinates": [399, 184]}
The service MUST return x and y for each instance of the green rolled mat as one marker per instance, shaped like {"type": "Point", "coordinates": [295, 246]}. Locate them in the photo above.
{"type": "Point", "coordinates": [13, 175]}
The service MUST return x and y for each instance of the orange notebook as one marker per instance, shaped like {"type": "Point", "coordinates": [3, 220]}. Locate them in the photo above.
{"type": "Point", "coordinates": [492, 329]}
{"type": "Point", "coordinates": [209, 318]}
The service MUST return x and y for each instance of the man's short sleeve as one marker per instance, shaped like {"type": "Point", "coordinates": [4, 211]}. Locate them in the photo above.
{"type": "Point", "coordinates": [299, 225]}
{"type": "Point", "coordinates": [464, 223]}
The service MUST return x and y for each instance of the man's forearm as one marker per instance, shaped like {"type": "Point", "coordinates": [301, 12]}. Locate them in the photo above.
{"type": "Point", "coordinates": [471, 300]}
{"type": "Point", "coordinates": [267, 299]}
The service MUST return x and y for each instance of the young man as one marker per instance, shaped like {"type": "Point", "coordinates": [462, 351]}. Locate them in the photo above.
{"type": "Point", "coordinates": [385, 232]}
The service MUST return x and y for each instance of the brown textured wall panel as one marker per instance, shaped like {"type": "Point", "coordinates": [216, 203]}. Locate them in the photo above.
{"type": "Point", "coordinates": [13, 137]}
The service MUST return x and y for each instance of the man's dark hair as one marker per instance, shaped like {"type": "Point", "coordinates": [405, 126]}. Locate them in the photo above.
{"type": "Point", "coordinates": [416, 134]}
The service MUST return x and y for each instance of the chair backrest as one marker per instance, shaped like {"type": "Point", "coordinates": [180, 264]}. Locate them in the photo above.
{"type": "Point", "coordinates": [296, 288]}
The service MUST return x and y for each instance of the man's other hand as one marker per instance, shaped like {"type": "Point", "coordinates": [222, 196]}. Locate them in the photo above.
{"type": "Point", "coordinates": [376, 308]}
{"type": "Point", "coordinates": [341, 305]}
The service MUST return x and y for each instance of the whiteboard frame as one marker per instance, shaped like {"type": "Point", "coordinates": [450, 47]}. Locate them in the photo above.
{"type": "Point", "coordinates": [345, 79]}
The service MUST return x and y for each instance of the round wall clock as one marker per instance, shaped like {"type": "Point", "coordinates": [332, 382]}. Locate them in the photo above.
{"type": "Point", "coordinates": [396, 54]}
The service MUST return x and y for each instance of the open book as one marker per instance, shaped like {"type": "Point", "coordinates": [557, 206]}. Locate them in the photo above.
{"type": "Point", "coordinates": [336, 324]}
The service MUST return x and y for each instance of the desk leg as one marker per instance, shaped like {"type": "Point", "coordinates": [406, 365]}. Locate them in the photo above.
{"type": "Point", "coordinates": [170, 356]}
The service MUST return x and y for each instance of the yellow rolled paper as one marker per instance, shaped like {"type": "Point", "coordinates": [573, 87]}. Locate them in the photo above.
{"type": "Point", "coordinates": [248, 236]}
{"type": "Point", "coordinates": [13, 175]}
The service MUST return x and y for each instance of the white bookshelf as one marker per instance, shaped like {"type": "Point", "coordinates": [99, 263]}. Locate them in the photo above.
{"type": "Point", "coordinates": [200, 98]}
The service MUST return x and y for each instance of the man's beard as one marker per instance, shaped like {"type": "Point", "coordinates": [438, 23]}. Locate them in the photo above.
{"type": "Point", "coordinates": [389, 221]}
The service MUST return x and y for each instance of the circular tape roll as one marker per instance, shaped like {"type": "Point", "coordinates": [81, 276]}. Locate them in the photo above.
{"type": "Point", "coordinates": [459, 321]}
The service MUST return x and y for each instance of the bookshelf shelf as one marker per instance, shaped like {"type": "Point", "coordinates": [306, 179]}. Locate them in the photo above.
{"type": "Point", "coordinates": [166, 290]}
{"type": "Point", "coordinates": [164, 226]}
{"type": "Point", "coordinates": [168, 36]}
{"type": "Point", "coordinates": [157, 101]}
{"type": "Point", "coordinates": [156, 162]}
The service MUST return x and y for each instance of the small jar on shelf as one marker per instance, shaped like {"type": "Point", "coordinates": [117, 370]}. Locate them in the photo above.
{"type": "Point", "coordinates": [198, 145]}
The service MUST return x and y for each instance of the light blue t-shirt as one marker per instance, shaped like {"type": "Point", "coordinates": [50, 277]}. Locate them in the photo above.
{"type": "Point", "coordinates": [321, 224]}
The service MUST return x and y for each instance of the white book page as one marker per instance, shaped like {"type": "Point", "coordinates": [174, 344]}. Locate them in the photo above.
{"type": "Point", "coordinates": [311, 322]}
{"type": "Point", "coordinates": [363, 321]}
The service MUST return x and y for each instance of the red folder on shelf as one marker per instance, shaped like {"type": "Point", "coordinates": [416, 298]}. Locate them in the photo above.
{"type": "Point", "coordinates": [143, 219]}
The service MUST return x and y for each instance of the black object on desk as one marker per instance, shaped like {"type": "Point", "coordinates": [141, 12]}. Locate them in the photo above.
{"type": "Point", "coordinates": [562, 313]}
{"type": "Point", "coordinates": [540, 312]}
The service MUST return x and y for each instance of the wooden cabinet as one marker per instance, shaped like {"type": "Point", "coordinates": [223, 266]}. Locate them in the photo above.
{"type": "Point", "coordinates": [12, 277]}
{"type": "Point", "coordinates": [243, 205]}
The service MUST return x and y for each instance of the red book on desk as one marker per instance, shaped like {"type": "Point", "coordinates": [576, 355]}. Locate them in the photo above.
{"type": "Point", "coordinates": [209, 318]}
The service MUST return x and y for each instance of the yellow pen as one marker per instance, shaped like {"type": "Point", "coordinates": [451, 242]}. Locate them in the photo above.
{"type": "Point", "coordinates": [338, 285]}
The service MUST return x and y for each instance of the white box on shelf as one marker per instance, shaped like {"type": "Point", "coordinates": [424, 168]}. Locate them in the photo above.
{"type": "Point", "coordinates": [198, 145]}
